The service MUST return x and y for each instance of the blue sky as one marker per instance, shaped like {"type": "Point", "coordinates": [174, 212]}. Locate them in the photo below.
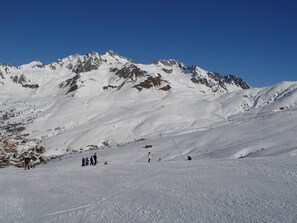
{"type": "Point", "coordinates": [253, 39]}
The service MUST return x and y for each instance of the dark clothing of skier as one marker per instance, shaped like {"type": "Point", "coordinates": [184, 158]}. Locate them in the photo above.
{"type": "Point", "coordinates": [189, 158]}
{"type": "Point", "coordinates": [83, 162]}
{"type": "Point", "coordinates": [95, 158]}
{"type": "Point", "coordinates": [87, 161]}
{"type": "Point", "coordinates": [91, 161]}
{"type": "Point", "coordinates": [149, 157]}
{"type": "Point", "coordinates": [27, 163]}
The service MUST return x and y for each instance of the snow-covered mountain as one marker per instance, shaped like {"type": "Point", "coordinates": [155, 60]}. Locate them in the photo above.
{"type": "Point", "coordinates": [95, 101]}
{"type": "Point", "coordinates": [112, 72]}
{"type": "Point", "coordinates": [124, 110]}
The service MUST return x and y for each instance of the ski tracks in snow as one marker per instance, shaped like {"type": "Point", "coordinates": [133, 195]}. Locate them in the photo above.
{"type": "Point", "coordinates": [98, 204]}
{"type": "Point", "coordinates": [69, 210]}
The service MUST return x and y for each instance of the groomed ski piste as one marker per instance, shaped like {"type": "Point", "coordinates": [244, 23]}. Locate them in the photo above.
{"type": "Point", "coordinates": [205, 190]}
{"type": "Point", "coordinates": [243, 146]}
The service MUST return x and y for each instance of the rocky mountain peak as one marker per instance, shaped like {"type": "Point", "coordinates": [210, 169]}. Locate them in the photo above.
{"type": "Point", "coordinates": [168, 62]}
{"type": "Point", "coordinates": [112, 53]}
{"type": "Point", "coordinates": [237, 81]}
{"type": "Point", "coordinates": [91, 61]}
{"type": "Point", "coordinates": [215, 81]}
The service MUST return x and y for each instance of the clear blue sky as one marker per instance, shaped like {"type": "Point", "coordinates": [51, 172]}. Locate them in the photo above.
{"type": "Point", "coordinates": [254, 39]}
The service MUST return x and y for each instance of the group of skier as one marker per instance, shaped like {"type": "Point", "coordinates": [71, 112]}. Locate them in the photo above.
{"type": "Point", "coordinates": [92, 161]}
{"type": "Point", "coordinates": [29, 161]}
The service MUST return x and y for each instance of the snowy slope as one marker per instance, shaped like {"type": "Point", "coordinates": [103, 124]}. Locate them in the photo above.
{"type": "Point", "coordinates": [227, 191]}
{"type": "Point", "coordinates": [108, 100]}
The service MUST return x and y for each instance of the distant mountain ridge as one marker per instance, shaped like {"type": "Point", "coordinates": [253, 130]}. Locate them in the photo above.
{"type": "Point", "coordinates": [116, 72]}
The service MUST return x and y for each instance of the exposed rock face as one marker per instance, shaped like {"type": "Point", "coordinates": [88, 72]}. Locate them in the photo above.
{"type": "Point", "coordinates": [165, 88]}
{"type": "Point", "coordinates": [150, 82]}
{"type": "Point", "coordinates": [109, 87]}
{"type": "Point", "coordinates": [168, 63]}
{"type": "Point", "coordinates": [130, 71]}
{"type": "Point", "coordinates": [39, 66]}
{"type": "Point", "coordinates": [6, 68]}
{"type": "Point", "coordinates": [217, 82]}
{"type": "Point", "coordinates": [32, 86]}
{"type": "Point", "coordinates": [19, 80]}
{"type": "Point", "coordinates": [168, 71]}
{"type": "Point", "coordinates": [91, 61]}
{"type": "Point", "coordinates": [22, 80]}
{"type": "Point", "coordinates": [212, 81]}
{"type": "Point", "coordinates": [71, 84]}
{"type": "Point", "coordinates": [236, 80]}
{"type": "Point", "coordinates": [1, 75]}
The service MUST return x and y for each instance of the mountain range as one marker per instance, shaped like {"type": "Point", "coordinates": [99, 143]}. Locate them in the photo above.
{"type": "Point", "coordinates": [112, 72]}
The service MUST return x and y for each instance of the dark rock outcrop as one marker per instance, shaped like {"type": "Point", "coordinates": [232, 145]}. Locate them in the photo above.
{"type": "Point", "coordinates": [130, 71]}
{"type": "Point", "coordinates": [215, 81]}
{"type": "Point", "coordinates": [1, 75]}
{"type": "Point", "coordinates": [91, 61]}
{"type": "Point", "coordinates": [70, 84]}
{"type": "Point", "coordinates": [152, 81]}
{"type": "Point", "coordinates": [22, 80]}
{"type": "Point", "coordinates": [168, 71]}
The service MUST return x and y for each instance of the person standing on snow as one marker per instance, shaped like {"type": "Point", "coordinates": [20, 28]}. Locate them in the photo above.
{"type": "Point", "coordinates": [149, 157]}
{"type": "Point", "coordinates": [95, 158]}
{"type": "Point", "coordinates": [83, 163]}
{"type": "Point", "coordinates": [91, 161]}
{"type": "Point", "coordinates": [27, 163]}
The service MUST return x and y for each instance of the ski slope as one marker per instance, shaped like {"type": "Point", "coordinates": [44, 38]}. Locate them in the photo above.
{"type": "Point", "coordinates": [218, 190]}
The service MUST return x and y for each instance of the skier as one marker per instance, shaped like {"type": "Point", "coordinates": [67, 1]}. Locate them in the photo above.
{"type": "Point", "coordinates": [87, 161]}
{"type": "Point", "coordinates": [91, 161]}
{"type": "Point", "coordinates": [95, 158]}
{"type": "Point", "coordinates": [189, 158]}
{"type": "Point", "coordinates": [33, 159]}
{"type": "Point", "coordinates": [149, 157]}
{"type": "Point", "coordinates": [27, 163]}
{"type": "Point", "coordinates": [83, 163]}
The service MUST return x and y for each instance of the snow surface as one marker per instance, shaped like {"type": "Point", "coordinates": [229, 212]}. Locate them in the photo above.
{"type": "Point", "coordinates": [218, 190]}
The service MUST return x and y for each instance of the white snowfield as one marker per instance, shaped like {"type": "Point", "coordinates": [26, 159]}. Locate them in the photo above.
{"type": "Point", "coordinates": [243, 145]}
{"type": "Point", "coordinates": [220, 190]}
